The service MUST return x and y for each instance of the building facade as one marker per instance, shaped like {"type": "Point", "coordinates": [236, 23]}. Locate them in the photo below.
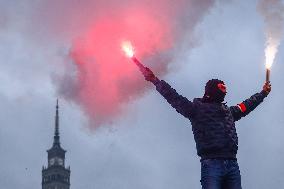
{"type": "Point", "coordinates": [56, 175]}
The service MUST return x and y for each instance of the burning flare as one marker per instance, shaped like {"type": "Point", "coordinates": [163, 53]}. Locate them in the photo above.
{"type": "Point", "coordinates": [270, 53]}
{"type": "Point", "coordinates": [273, 15]}
{"type": "Point", "coordinates": [128, 49]}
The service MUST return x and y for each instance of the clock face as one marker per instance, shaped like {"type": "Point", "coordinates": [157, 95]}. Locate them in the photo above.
{"type": "Point", "coordinates": [52, 161]}
{"type": "Point", "coordinates": [56, 161]}
{"type": "Point", "coordinates": [60, 161]}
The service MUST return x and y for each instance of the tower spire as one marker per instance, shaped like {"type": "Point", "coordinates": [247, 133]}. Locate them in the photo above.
{"type": "Point", "coordinates": [56, 141]}
{"type": "Point", "coordinates": [56, 175]}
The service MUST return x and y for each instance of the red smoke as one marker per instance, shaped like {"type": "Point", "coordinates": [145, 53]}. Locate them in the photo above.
{"type": "Point", "coordinates": [106, 77]}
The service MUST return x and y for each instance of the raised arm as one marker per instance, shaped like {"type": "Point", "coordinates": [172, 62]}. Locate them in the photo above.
{"type": "Point", "coordinates": [244, 108]}
{"type": "Point", "coordinates": [177, 101]}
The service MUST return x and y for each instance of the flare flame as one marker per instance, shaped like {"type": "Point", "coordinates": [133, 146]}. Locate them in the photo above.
{"type": "Point", "coordinates": [273, 15]}
{"type": "Point", "coordinates": [128, 48]}
{"type": "Point", "coordinates": [270, 52]}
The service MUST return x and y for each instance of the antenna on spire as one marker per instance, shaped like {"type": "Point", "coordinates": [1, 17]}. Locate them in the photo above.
{"type": "Point", "coordinates": [56, 133]}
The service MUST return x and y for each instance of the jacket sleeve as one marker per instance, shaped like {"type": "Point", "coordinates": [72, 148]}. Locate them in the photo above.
{"type": "Point", "coordinates": [177, 101]}
{"type": "Point", "coordinates": [244, 108]}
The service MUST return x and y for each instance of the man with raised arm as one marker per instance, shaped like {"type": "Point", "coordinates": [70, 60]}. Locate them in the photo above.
{"type": "Point", "coordinates": [213, 126]}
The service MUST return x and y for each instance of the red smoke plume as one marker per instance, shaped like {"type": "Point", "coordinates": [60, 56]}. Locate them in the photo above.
{"type": "Point", "coordinates": [105, 78]}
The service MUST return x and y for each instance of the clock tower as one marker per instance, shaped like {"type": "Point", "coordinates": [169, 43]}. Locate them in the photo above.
{"type": "Point", "coordinates": [56, 175]}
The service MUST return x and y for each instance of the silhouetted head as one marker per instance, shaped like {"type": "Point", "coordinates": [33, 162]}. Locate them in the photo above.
{"type": "Point", "coordinates": [215, 91]}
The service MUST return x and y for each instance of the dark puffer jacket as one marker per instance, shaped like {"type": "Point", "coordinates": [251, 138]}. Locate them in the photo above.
{"type": "Point", "coordinates": [213, 124]}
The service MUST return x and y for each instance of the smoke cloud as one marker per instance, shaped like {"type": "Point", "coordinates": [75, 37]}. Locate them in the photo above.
{"type": "Point", "coordinates": [273, 14]}
{"type": "Point", "coordinates": [99, 77]}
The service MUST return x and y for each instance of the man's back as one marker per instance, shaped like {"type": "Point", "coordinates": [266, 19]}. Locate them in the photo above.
{"type": "Point", "coordinates": [214, 130]}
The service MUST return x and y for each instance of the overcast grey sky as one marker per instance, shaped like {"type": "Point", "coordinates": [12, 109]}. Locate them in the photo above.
{"type": "Point", "coordinates": [149, 145]}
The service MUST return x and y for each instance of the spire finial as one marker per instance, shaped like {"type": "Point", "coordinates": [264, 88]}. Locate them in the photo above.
{"type": "Point", "coordinates": [56, 133]}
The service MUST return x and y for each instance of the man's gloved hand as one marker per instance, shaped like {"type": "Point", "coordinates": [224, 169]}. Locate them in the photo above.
{"type": "Point", "coordinates": [149, 75]}
{"type": "Point", "coordinates": [267, 88]}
